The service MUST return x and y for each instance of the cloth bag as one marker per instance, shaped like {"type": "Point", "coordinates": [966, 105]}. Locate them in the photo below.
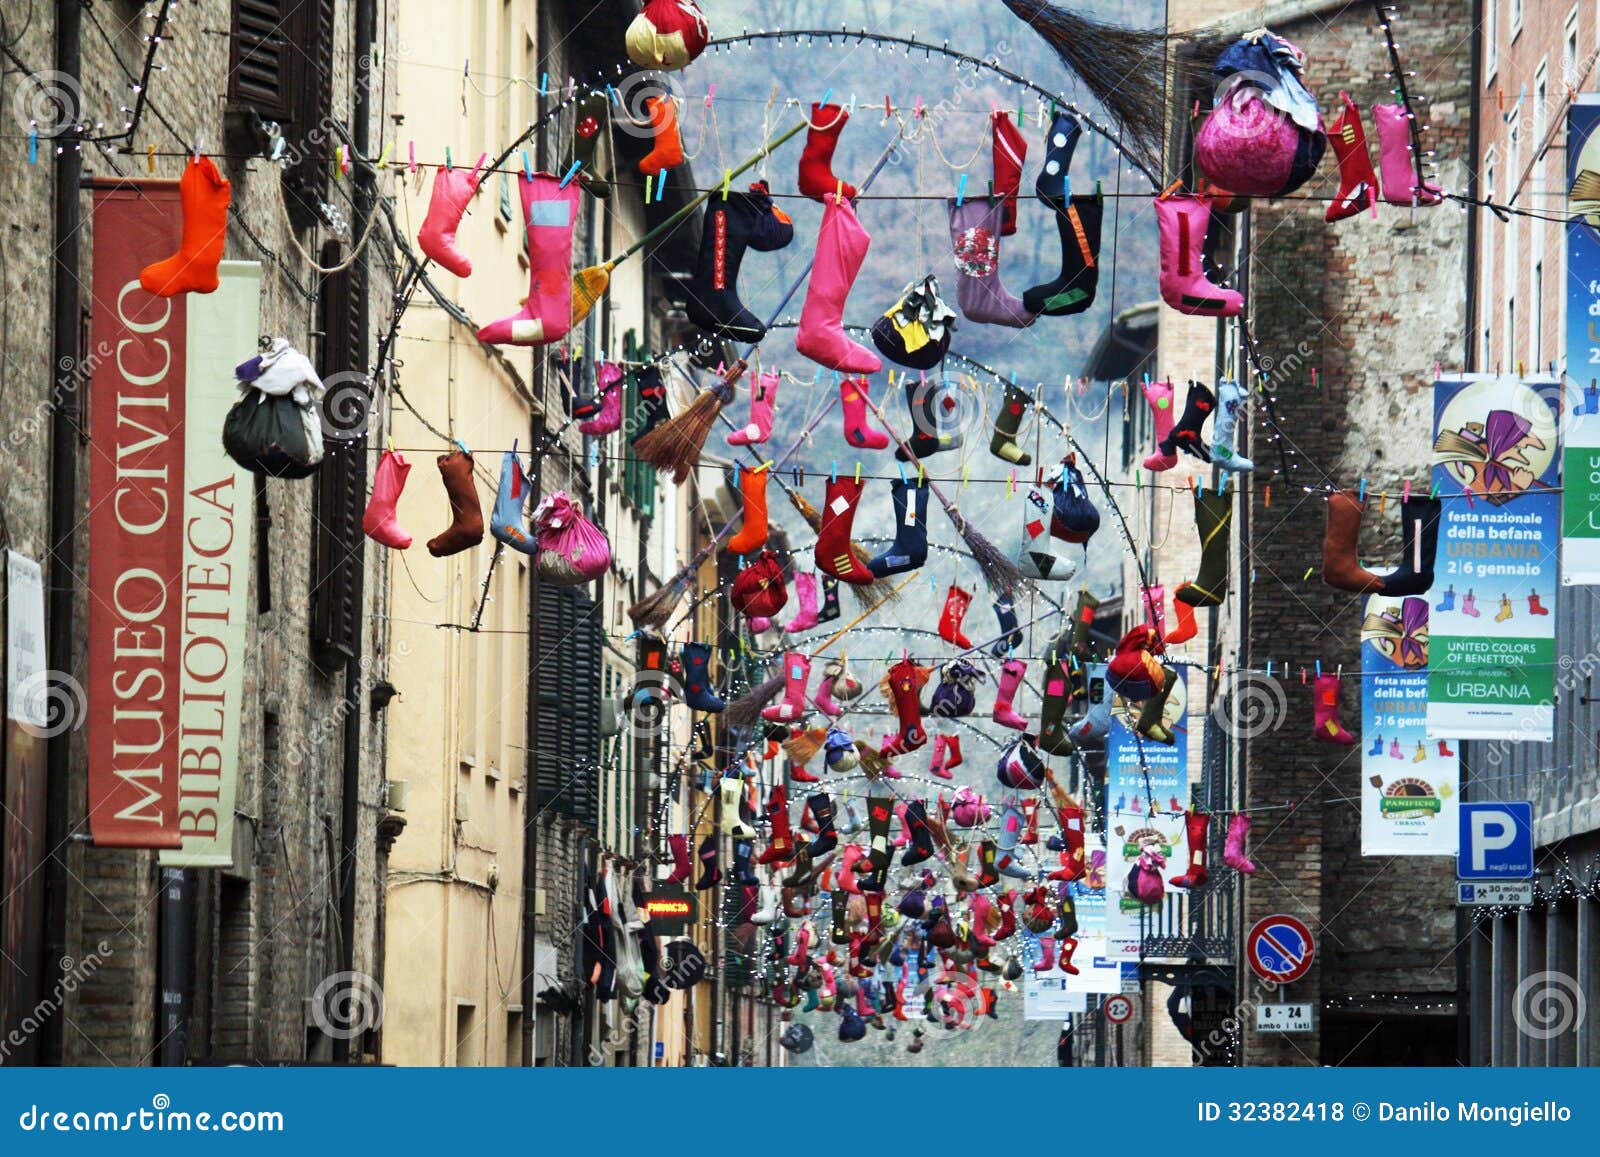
{"type": "Point", "coordinates": [572, 550]}
{"type": "Point", "coordinates": [758, 591]}
{"type": "Point", "coordinates": [275, 428]}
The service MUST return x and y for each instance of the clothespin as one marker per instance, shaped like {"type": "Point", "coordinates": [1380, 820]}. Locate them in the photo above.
{"type": "Point", "coordinates": [571, 172]}
{"type": "Point", "coordinates": [150, 158]}
{"type": "Point", "coordinates": [1269, 668]}
{"type": "Point", "coordinates": [1266, 496]}
{"type": "Point", "coordinates": [1438, 371]}
{"type": "Point", "coordinates": [463, 447]}
{"type": "Point", "coordinates": [1319, 668]}
{"type": "Point", "coordinates": [858, 471]}
{"type": "Point", "coordinates": [1011, 485]}
{"type": "Point", "coordinates": [448, 163]}
{"type": "Point", "coordinates": [711, 93]}
{"type": "Point", "coordinates": [527, 166]}
{"type": "Point", "coordinates": [961, 190]}
{"type": "Point", "coordinates": [1310, 570]}
{"type": "Point", "coordinates": [901, 466]}
{"type": "Point", "coordinates": [1339, 672]}
{"type": "Point", "coordinates": [612, 93]}
{"type": "Point", "coordinates": [852, 104]}
{"type": "Point", "coordinates": [838, 191]}
{"type": "Point", "coordinates": [1434, 493]}
{"type": "Point", "coordinates": [964, 476]}
{"type": "Point", "coordinates": [916, 112]}
{"type": "Point", "coordinates": [727, 178]}
{"type": "Point", "coordinates": [197, 148]}
{"type": "Point", "coordinates": [833, 474]}
{"type": "Point", "coordinates": [411, 156]}
{"type": "Point", "coordinates": [887, 110]}
{"type": "Point", "coordinates": [1314, 384]}
{"type": "Point", "coordinates": [921, 473]}
{"type": "Point", "coordinates": [661, 185]}
{"type": "Point", "coordinates": [825, 97]}
{"type": "Point", "coordinates": [649, 184]}
{"type": "Point", "coordinates": [1362, 492]}
{"type": "Point", "coordinates": [383, 157]}
{"type": "Point", "coordinates": [1302, 676]}
{"type": "Point", "coordinates": [544, 83]}
{"type": "Point", "coordinates": [1383, 501]}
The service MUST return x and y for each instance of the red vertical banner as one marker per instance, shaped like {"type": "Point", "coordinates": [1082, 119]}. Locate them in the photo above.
{"type": "Point", "coordinates": [136, 506]}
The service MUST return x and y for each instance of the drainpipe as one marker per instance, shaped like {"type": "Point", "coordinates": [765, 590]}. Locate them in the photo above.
{"type": "Point", "coordinates": [354, 676]}
{"type": "Point", "coordinates": [66, 320]}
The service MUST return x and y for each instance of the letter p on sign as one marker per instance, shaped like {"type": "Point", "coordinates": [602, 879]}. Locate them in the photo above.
{"type": "Point", "coordinates": [1496, 841]}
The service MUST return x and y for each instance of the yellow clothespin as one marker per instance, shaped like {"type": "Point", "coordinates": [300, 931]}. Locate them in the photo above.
{"type": "Point", "coordinates": [150, 158]}
{"type": "Point", "coordinates": [858, 471]}
{"type": "Point", "coordinates": [964, 476]}
{"type": "Point", "coordinates": [727, 176]}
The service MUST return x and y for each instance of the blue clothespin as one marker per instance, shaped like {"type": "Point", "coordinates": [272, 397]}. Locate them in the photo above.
{"type": "Point", "coordinates": [612, 93]}
{"type": "Point", "coordinates": [1319, 668]}
{"type": "Point", "coordinates": [544, 83]}
{"type": "Point", "coordinates": [961, 190]}
{"type": "Point", "coordinates": [33, 146]}
{"type": "Point", "coordinates": [901, 466]}
{"type": "Point", "coordinates": [448, 163]}
{"type": "Point", "coordinates": [825, 97]}
{"type": "Point", "coordinates": [463, 447]}
{"type": "Point", "coordinates": [572, 172]}
{"type": "Point", "coordinates": [527, 166]}
{"type": "Point", "coordinates": [737, 468]}
{"type": "Point", "coordinates": [1269, 668]}
{"type": "Point", "coordinates": [661, 184]}
{"type": "Point", "coordinates": [833, 475]}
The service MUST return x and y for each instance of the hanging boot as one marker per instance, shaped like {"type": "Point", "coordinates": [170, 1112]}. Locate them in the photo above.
{"type": "Point", "coordinates": [845, 877]}
{"type": "Point", "coordinates": [1377, 745]}
{"type": "Point", "coordinates": [1422, 753]}
{"type": "Point", "coordinates": [743, 874]}
{"type": "Point", "coordinates": [550, 212]}
{"type": "Point", "coordinates": [1444, 750]}
{"type": "Point", "coordinates": [711, 296]}
{"type": "Point", "coordinates": [1340, 568]}
{"type": "Point", "coordinates": [1325, 712]}
{"type": "Point", "coordinates": [1092, 729]}
{"type": "Point", "coordinates": [1034, 557]}
{"type": "Point", "coordinates": [796, 674]}
{"type": "Point", "coordinates": [833, 552]}
{"type": "Point", "coordinates": [466, 515]}
{"type": "Point", "coordinates": [1047, 945]}
{"type": "Point", "coordinates": [667, 151]}
{"type": "Point", "coordinates": [858, 431]}
{"type": "Point", "coordinates": [781, 849]}
{"type": "Point", "coordinates": [1419, 545]}
{"type": "Point", "coordinates": [910, 547]}
{"type": "Point", "coordinates": [1008, 152]}
{"type": "Point", "coordinates": [1057, 695]}
{"type": "Point", "coordinates": [710, 873]}
{"type": "Point", "coordinates": [698, 691]}
{"type": "Point", "coordinates": [905, 683]}
{"type": "Point", "coordinates": [605, 417]}
{"type": "Point", "coordinates": [820, 807]}
{"type": "Point", "coordinates": [916, 820]}
{"type": "Point", "coordinates": [1073, 289]}
{"type": "Point", "coordinates": [1448, 601]}
{"type": "Point", "coordinates": [763, 396]}
{"type": "Point", "coordinates": [590, 138]}
{"type": "Point", "coordinates": [381, 522]}
{"type": "Point", "coordinates": [956, 602]}
{"type": "Point", "coordinates": [816, 179]}
{"type": "Point", "coordinates": [734, 808]}
{"type": "Point", "coordinates": [1065, 947]}
{"type": "Point", "coordinates": [829, 610]}
{"type": "Point", "coordinates": [1058, 148]}
{"type": "Point", "coordinates": [880, 811]}
{"type": "Point", "coordinates": [1186, 627]}
{"type": "Point", "coordinates": [924, 400]}
{"type": "Point", "coordinates": [1505, 610]}
{"type": "Point", "coordinates": [1007, 423]}
{"type": "Point", "coordinates": [652, 395]}
{"type": "Point", "coordinates": [805, 589]}
{"type": "Point", "coordinates": [1224, 429]}
{"type": "Point", "coordinates": [1011, 673]}
{"type": "Point", "coordinates": [1233, 850]}
{"type": "Point", "coordinates": [1183, 221]}
{"type": "Point", "coordinates": [1213, 516]}
{"type": "Point", "coordinates": [1358, 184]}
{"type": "Point", "coordinates": [1535, 607]}
{"type": "Point", "coordinates": [1197, 826]}
{"type": "Point", "coordinates": [936, 766]}
{"type": "Point", "coordinates": [1159, 395]}
{"type": "Point", "coordinates": [204, 196]}
{"type": "Point", "coordinates": [975, 239]}
{"type": "Point", "coordinates": [823, 699]}
{"type": "Point", "coordinates": [1188, 434]}
{"type": "Point", "coordinates": [1151, 724]}
{"type": "Point", "coordinates": [1469, 605]}
{"type": "Point", "coordinates": [1394, 749]}
{"type": "Point", "coordinates": [752, 534]}
{"type": "Point", "coordinates": [1397, 161]}
{"type": "Point", "coordinates": [681, 867]}
{"type": "Point", "coordinates": [841, 248]}
{"type": "Point", "coordinates": [453, 190]}
{"type": "Point", "coordinates": [1005, 613]}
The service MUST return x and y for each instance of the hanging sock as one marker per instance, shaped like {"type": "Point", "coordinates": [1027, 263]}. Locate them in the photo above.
{"type": "Point", "coordinates": [752, 534]}
{"type": "Point", "coordinates": [711, 296]}
{"type": "Point", "coordinates": [453, 190]}
{"type": "Point", "coordinates": [823, 699]}
{"type": "Point", "coordinates": [905, 685]}
{"type": "Point", "coordinates": [936, 766]}
{"type": "Point", "coordinates": [975, 240]}
{"type": "Point", "coordinates": [781, 849]}
{"type": "Point", "coordinates": [1034, 558]}
{"type": "Point", "coordinates": [1009, 151]}
{"type": "Point", "coordinates": [546, 316]}
{"type": "Point", "coordinates": [924, 400]}
{"type": "Point", "coordinates": [1448, 601]}
{"type": "Point", "coordinates": [1011, 673]}
{"type": "Point", "coordinates": [652, 396]}
{"type": "Point", "coordinates": [1396, 161]}
{"type": "Point", "coordinates": [1093, 727]}
{"type": "Point", "coordinates": [1377, 745]}
{"type": "Point", "coordinates": [710, 873]}
{"type": "Point", "coordinates": [1072, 290]}
{"type": "Point", "coordinates": [858, 431]}
{"type": "Point", "coordinates": [1469, 605]}
{"type": "Point", "coordinates": [1444, 750]}
{"type": "Point", "coordinates": [1339, 566]}
{"type": "Point", "coordinates": [380, 522]}
{"type": "Point", "coordinates": [1213, 514]}
{"type": "Point", "coordinates": [921, 848]}
{"type": "Point", "coordinates": [880, 811]}
{"type": "Point", "coordinates": [734, 823]}
{"type": "Point", "coordinates": [1394, 749]}
{"type": "Point", "coordinates": [1083, 622]}
{"type": "Point", "coordinates": [1422, 753]}
{"type": "Point", "coordinates": [1151, 722]}
{"type": "Point", "coordinates": [1325, 713]}
{"type": "Point", "coordinates": [841, 248]}
{"type": "Point", "coordinates": [1183, 220]}
{"type": "Point", "coordinates": [1358, 184]}
{"type": "Point", "coordinates": [1535, 607]}
{"type": "Point", "coordinates": [1419, 545]}
{"type": "Point", "coordinates": [763, 396]}
{"type": "Point", "coordinates": [698, 691]}
{"type": "Point", "coordinates": [805, 589]}
{"type": "Point", "coordinates": [796, 674]}
{"type": "Point", "coordinates": [681, 867]}
{"type": "Point", "coordinates": [956, 602]}
{"type": "Point", "coordinates": [1224, 430]}
{"type": "Point", "coordinates": [1047, 961]}
{"type": "Point", "coordinates": [1505, 609]}
{"type": "Point", "coordinates": [1007, 423]}
{"type": "Point", "coordinates": [1233, 849]}
{"type": "Point", "coordinates": [1010, 639]}
{"type": "Point", "coordinates": [1058, 147]}
{"type": "Point", "coordinates": [204, 195]}
{"type": "Point", "coordinates": [466, 515]}
{"type": "Point", "coordinates": [602, 416]}
{"type": "Point", "coordinates": [816, 179]}
{"type": "Point", "coordinates": [1159, 396]}
{"type": "Point", "coordinates": [1188, 434]}
{"type": "Point", "coordinates": [1057, 695]}
{"type": "Point", "coordinates": [830, 600]}
{"type": "Point", "coordinates": [1187, 628]}
{"type": "Point", "coordinates": [506, 524]}
{"type": "Point", "coordinates": [590, 133]}
{"type": "Point", "coordinates": [820, 808]}
{"type": "Point", "coordinates": [910, 547]}
{"type": "Point", "coordinates": [667, 152]}
{"type": "Point", "coordinates": [834, 555]}
{"type": "Point", "coordinates": [1197, 826]}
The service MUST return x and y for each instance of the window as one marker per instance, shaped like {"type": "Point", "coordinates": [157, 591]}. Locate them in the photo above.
{"type": "Point", "coordinates": [1491, 39]}
{"type": "Point", "coordinates": [1516, 18]}
{"type": "Point", "coordinates": [466, 1029]}
{"type": "Point", "coordinates": [514, 1038]}
{"type": "Point", "coordinates": [1569, 51]}
{"type": "Point", "coordinates": [280, 66]}
{"type": "Point", "coordinates": [1536, 318]}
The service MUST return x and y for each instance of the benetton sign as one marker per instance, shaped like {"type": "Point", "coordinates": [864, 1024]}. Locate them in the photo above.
{"type": "Point", "coordinates": [169, 541]}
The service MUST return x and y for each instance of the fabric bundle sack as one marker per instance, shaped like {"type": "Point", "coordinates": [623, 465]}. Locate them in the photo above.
{"type": "Point", "coordinates": [954, 697]}
{"type": "Point", "coordinates": [758, 591]}
{"type": "Point", "coordinates": [1134, 672]}
{"type": "Point", "coordinates": [1264, 137]}
{"type": "Point", "coordinates": [275, 428]}
{"type": "Point", "coordinates": [572, 550]}
{"type": "Point", "coordinates": [915, 331]}
{"type": "Point", "coordinates": [1021, 768]}
{"type": "Point", "coordinates": [1073, 516]}
{"type": "Point", "coordinates": [1144, 878]}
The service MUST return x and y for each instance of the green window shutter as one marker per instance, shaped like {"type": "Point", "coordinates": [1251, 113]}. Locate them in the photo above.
{"type": "Point", "coordinates": [638, 478]}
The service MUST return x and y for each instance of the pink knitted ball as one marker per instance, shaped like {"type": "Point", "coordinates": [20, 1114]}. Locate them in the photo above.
{"type": "Point", "coordinates": [1245, 145]}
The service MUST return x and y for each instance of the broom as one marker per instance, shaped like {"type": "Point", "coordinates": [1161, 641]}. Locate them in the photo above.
{"type": "Point", "coordinates": [589, 285]}
{"type": "Point", "coordinates": [802, 746]}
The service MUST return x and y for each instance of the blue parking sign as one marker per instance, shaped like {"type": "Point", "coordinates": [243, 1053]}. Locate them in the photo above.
{"type": "Point", "coordinates": [1496, 841]}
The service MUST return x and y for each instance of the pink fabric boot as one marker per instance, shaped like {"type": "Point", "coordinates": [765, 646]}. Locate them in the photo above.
{"type": "Point", "coordinates": [1396, 168]}
{"type": "Point", "coordinates": [1159, 395]}
{"type": "Point", "coordinates": [681, 865]}
{"type": "Point", "coordinates": [452, 191]}
{"type": "Point", "coordinates": [549, 211]}
{"type": "Point", "coordinates": [608, 378]}
{"type": "Point", "coordinates": [763, 395]}
{"type": "Point", "coordinates": [1183, 221]}
{"type": "Point", "coordinates": [796, 674]}
{"type": "Point", "coordinates": [975, 240]}
{"type": "Point", "coordinates": [805, 588]}
{"type": "Point", "coordinates": [1233, 849]}
{"type": "Point", "coordinates": [858, 432]}
{"type": "Point", "coordinates": [841, 248]}
{"type": "Point", "coordinates": [380, 521]}
{"type": "Point", "coordinates": [824, 698]}
{"type": "Point", "coordinates": [1011, 673]}
{"type": "Point", "coordinates": [938, 766]}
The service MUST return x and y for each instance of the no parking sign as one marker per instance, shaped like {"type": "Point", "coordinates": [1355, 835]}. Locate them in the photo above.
{"type": "Point", "coordinates": [1280, 949]}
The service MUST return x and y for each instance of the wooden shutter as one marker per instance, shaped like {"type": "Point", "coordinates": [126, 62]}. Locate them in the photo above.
{"type": "Point", "coordinates": [566, 680]}
{"type": "Point", "coordinates": [638, 477]}
{"type": "Point", "coordinates": [264, 55]}
{"type": "Point", "coordinates": [337, 542]}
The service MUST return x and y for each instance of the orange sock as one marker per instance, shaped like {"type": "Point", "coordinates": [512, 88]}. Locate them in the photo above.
{"type": "Point", "coordinates": [753, 534]}
{"type": "Point", "coordinates": [193, 268]}
{"type": "Point", "coordinates": [668, 150]}
{"type": "Point", "coordinates": [1186, 628]}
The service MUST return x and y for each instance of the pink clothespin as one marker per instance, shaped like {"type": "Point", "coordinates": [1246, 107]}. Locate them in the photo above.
{"type": "Point", "coordinates": [917, 111]}
{"type": "Point", "coordinates": [711, 93]}
{"type": "Point", "coordinates": [411, 156]}
{"type": "Point", "coordinates": [1405, 491]}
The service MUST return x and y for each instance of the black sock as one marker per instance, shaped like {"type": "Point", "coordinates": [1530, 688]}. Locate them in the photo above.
{"type": "Point", "coordinates": [1058, 146]}
{"type": "Point", "coordinates": [742, 872]}
{"type": "Point", "coordinates": [1212, 514]}
{"type": "Point", "coordinates": [924, 401]}
{"type": "Point", "coordinates": [1011, 633]}
{"type": "Point", "coordinates": [652, 398]}
{"type": "Point", "coordinates": [710, 873]}
{"type": "Point", "coordinates": [1419, 536]}
{"type": "Point", "coordinates": [1187, 434]}
{"type": "Point", "coordinates": [987, 874]}
{"type": "Point", "coordinates": [879, 812]}
{"type": "Point", "coordinates": [826, 839]}
{"type": "Point", "coordinates": [1057, 695]}
{"type": "Point", "coordinates": [921, 838]}
{"type": "Point", "coordinates": [711, 296]}
{"type": "Point", "coordinates": [841, 917]}
{"type": "Point", "coordinates": [830, 600]}
{"type": "Point", "coordinates": [1072, 290]}
{"type": "Point", "coordinates": [910, 547]}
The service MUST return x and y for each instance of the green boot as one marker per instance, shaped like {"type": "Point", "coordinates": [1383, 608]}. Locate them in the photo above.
{"type": "Point", "coordinates": [1213, 515]}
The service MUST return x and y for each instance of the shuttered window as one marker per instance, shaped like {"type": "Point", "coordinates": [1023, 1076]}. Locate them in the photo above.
{"type": "Point", "coordinates": [638, 477]}
{"type": "Point", "coordinates": [565, 685]}
{"type": "Point", "coordinates": [280, 59]}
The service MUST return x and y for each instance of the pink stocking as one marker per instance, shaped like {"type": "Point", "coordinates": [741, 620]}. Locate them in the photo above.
{"type": "Point", "coordinates": [550, 212]}
{"type": "Point", "coordinates": [452, 190]}
{"type": "Point", "coordinates": [380, 521]}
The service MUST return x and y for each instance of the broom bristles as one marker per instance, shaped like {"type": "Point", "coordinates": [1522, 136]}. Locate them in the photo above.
{"type": "Point", "coordinates": [674, 446]}
{"type": "Point", "coordinates": [588, 287]}
{"type": "Point", "coordinates": [999, 571]}
{"type": "Point", "coordinates": [655, 609]}
{"type": "Point", "coordinates": [802, 746]}
{"type": "Point", "coordinates": [872, 764]}
{"type": "Point", "coordinates": [746, 709]}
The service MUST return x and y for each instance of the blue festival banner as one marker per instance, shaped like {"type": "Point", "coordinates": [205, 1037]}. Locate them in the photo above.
{"type": "Point", "coordinates": [1497, 468]}
{"type": "Point", "coordinates": [1147, 794]}
{"type": "Point", "coordinates": [1580, 468]}
{"type": "Point", "coordinates": [1410, 783]}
